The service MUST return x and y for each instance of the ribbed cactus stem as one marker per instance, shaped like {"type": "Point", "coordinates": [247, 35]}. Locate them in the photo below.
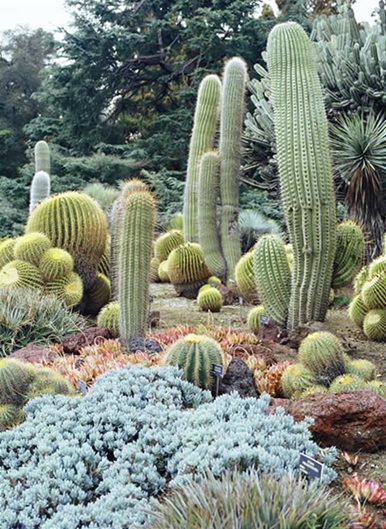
{"type": "Point", "coordinates": [40, 189]}
{"type": "Point", "coordinates": [208, 232]}
{"type": "Point", "coordinates": [305, 169]}
{"type": "Point", "coordinates": [231, 126]}
{"type": "Point", "coordinates": [42, 157]}
{"type": "Point", "coordinates": [204, 129]}
{"type": "Point", "coordinates": [135, 252]}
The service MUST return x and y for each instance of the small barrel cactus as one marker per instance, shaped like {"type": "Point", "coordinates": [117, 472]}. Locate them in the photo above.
{"type": "Point", "coordinates": [32, 247]}
{"type": "Point", "coordinates": [295, 379]}
{"type": "Point", "coordinates": [68, 289]}
{"type": "Point", "coordinates": [254, 318]}
{"type": "Point", "coordinates": [166, 243]}
{"type": "Point", "coordinates": [195, 355]}
{"type": "Point", "coordinates": [347, 382]}
{"type": "Point", "coordinates": [377, 266]}
{"type": "Point", "coordinates": [360, 279]}
{"type": "Point", "coordinates": [109, 318]}
{"type": "Point", "coordinates": [323, 355]}
{"type": "Point", "coordinates": [362, 368]}
{"type": "Point", "coordinates": [374, 292]}
{"type": "Point", "coordinates": [245, 278]}
{"type": "Point", "coordinates": [349, 251]}
{"type": "Point", "coordinates": [15, 379]}
{"type": "Point", "coordinates": [154, 265]}
{"type": "Point", "coordinates": [40, 189]}
{"type": "Point", "coordinates": [374, 325]}
{"type": "Point", "coordinates": [377, 387]}
{"type": "Point", "coordinates": [98, 295]}
{"type": "Point", "coordinates": [6, 251]}
{"type": "Point", "coordinates": [214, 281]}
{"type": "Point", "coordinates": [210, 299]}
{"type": "Point", "coordinates": [187, 269]}
{"type": "Point", "coordinates": [357, 311]}
{"type": "Point", "coordinates": [10, 416]}
{"type": "Point", "coordinates": [163, 272]}
{"type": "Point", "coordinates": [56, 263]}
{"type": "Point", "coordinates": [48, 382]}
{"type": "Point", "coordinates": [318, 388]}
{"type": "Point", "coordinates": [20, 274]}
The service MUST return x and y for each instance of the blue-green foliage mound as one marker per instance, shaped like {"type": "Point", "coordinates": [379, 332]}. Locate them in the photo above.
{"type": "Point", "coordinates": [97, 462]}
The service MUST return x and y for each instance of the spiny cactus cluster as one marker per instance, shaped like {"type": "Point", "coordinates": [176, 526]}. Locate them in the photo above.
{"type": "Point", "coordinates": [368, 308]}
{"type": "Point", "coordinates": [323, 366]}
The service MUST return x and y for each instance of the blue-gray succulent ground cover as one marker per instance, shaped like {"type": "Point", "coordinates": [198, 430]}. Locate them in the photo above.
{"type": "Point", "coordinates": [97, 462]}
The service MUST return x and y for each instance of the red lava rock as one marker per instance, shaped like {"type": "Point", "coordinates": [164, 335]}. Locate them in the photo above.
{"type": "Point", "coordinates": [34, 354]}
{"type": "Point", "coordinates": [73, 343]}
{"type": "Point", "coordinates": [349, 420]}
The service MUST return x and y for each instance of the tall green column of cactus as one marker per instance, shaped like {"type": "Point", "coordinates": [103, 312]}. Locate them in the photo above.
{"type": "Point", "coordinates": [42, 157]}
{"type": "Point", "coordinates": [204, 129]}
{"type": "Point", "coordinates": [40, 189]}
{"type": "Point", "coordinates": [209, 236]}
{"type": "Point", "coordinates": [231, 125]}
{"type": "Point", "coordinates": [305, 169]}
{"type": "Point", "coordinates": [135, 252]}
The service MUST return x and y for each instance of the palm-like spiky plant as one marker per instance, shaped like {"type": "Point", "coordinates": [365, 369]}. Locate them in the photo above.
{"type": "Point", "coordinates": [359, 151]}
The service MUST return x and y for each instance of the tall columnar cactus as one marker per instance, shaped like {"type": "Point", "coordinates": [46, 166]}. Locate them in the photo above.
{"type": "Point", "coordinates": [204, 128]}
{"type": "Point", "coordinates": [42, 157]}
{"type": "Point", "coordinates": [40, 189]}
{"type": "Point", "coordinates": [209, 236]}
{"type": "Point", "coordinates": [305, 169]}
{"type": "Point", "coordinates": [135, 252]}
{"type": "Point", "coordinates": [231, 125]}
{"type": "Point", "coordinates": [74, 222]}
{"type": "Point", "coordinates": [273, 277]}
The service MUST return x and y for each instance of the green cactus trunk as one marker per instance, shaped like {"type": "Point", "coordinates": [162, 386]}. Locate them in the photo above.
{"type": "Point", "coordinates": [42, 157]}
{"type": "Point", "coordinates": [231, 124]}
{"type": "Point", "coordinates": [135, 253]}
{"type": "Point", "coordinates": [204, 129]}
{"type": "Point", "coordinates": [40, 189]}
{"type": "Point", "coordinates": [207, 214]}
{"type": "Point", "coordinates": [305, 169]}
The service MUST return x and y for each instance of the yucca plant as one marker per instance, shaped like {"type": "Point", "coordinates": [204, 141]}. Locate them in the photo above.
{"type": "Point", "coordinates": [253, 224]}
{"type": "Point", "coordinates": [359, 151]}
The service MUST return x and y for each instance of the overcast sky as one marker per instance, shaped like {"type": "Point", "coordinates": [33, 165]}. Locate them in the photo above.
{"type": "Point", "coordinates": [50, 14]}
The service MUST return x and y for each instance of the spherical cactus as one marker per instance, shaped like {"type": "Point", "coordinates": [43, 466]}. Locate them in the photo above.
{"type": "Point", "coordinates": [109, 318]}
{"type": "Point", "coordinates": [74, 222]}
{"type": "Point", "coordinates": [322, 353]}
{"type": "Point", "coordinates": [360, 279]}
{"type": "Point", "coordinates": [31, 247]}
{"type": "Point", "coordinates": [204, 287]}
{"type": "Point", "coordinates": [98, 295]}
{"type": "Point", "coordinates": [15, 379]}
{"type": "Point", "coordinates": [163, 272]}
{"type": "Point", "coordinates": [48, 382]}
{"type": "Point", "coordinates": [56, 263]}
{"type": "Point", "coordinates": [20, 274]}
{"type": "Point", "coordinates": [296, 379]}
{"type": "Point", "coordinates": [68, 289]}
{"type": "Point", "coordinates": [377, 387]}
{"type": "Point", "coordinates": [40, 189]}
{"type": "Point", "coordinates": [361, 368]}
{"type": "Point", "coordinates": [6, 251]}
{"type": "Point", "coordinates": [187, 269]}
{"type": "Point", "coordinates": [154, 265]}
{"type": "Point", "coordinates": [374, 325]}
{"type": "Point", "coordinates": [166, 243]}
{"type": "Point", "coordinates": [374, 292]}
{"type": "Point", "coordinates": [10, 416]}
{"type": "Point", "coordinates": [349, 250]}
{"type": "Point", "coordinates": [347, 383]}
{"type": "Point", "coordinates": [195, 355]}
{"type": "Point", "coordinates": [318, 388]}
{"type": "Point", "coordinates": [214, 281]}
{"type": "Point", "coordinates": [245, 278]}
{"type": "Point", "coordinates": [210, 300]}
{"type": "Point", "coordinates": [254, 318]}
{"type": "Point", "coordinates": [357, 311]}
{"type": "Point", "coordinates": [42, 157]}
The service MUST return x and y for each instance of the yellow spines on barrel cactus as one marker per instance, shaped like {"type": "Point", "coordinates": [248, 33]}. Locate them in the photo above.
{"type": "Point", "coordinates": [15, 379]}
{"type": "Point", "coordinates": [349, 251]}
{"type": "Point", "coordinates": [31, 247]}
{"type": "Point", "coordinates": [231, 126]}
{"type": "Point", "coordinates": [68, 289]}
{"type": "Point", "coordinates": [109, 318]}
{"type": "Point", "coordinates": [245, 278]}
{"type": "Point", "coordinates": [347, 382]}
{"type": "Point", "coordinates": [203, 133]}
{"type": "Point", "coordinates": [195, 355]}
{"type": "Point", "coordinates": [42, 157]}
{"type": "Point", "coordinates": [295, 379]}
{"type": "Point", "coordinates": [360, 279]}
{"type": "Point", "coordinates": [134, 256]}
{"type": "Point", "coordinates": [305, 171]}
{"type": "Point", "coordinates": [254, 318]}
{"type": "Point", "coordinates": [272, 276]}
{"type": "Point", "coordinates": [210, 299]}
{"type": "Point", "coordinates": [187, 269]}
{"type": "Point", "coordinates": [7, 251]}
{"type": "Point", "coordinates": [166, 243]}
{"type": "Point", "coordinates": [374, 325]}
{"type": "Point", "coordinates": [74, 222]}
{"type": "Point", "coordinates": [357, 311]}
{"type": "Point", "coordinates": [48, 382]}
{"type": "Point", "coordinates": [377, 266]}
{"type": "Point", "coordinates": [20, 274]}
{"type": "Point", "coordinates": [318, 388]}
{"type": "Point", "coordinates": [322, 353]}
{"type": "Point", "coordinates": [362, 368]}
{"type": "Point", "coordinates": [98, 295]}
{"type": "Point", "coordinates": [208, 233]}
{"type": "Point", "coordinates": [40, 189]}
{"type": "Point", "coordinates": [377, 387]}
{"type": "Point", "coordinates": [163, 272]}
{"type": "Point", "coordinates": [374, 292]}
{"type": "Point", "coordinates": [214, 281]}
{"type": "Point", "coordinates": [56, 263]}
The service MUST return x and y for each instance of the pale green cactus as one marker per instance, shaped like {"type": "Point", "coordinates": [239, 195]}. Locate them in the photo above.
{"type": "Point", "coordinates": [40, 189]}
{"type": "Point", "coordinates": [42, 157]}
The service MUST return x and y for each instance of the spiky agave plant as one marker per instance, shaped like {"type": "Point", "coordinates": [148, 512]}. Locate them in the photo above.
{"type": "Point", "coordinates": [359, 151]}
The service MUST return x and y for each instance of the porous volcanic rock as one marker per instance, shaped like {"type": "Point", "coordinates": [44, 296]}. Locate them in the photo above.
{"type": "Point", "coordinates": [34, 354]}
{"type": "Point", "coordinates": [73, 343]}
{"type": "Point", "coordinates": [238, 378]}
{"type": "Point", "coordinates": [349, 420]}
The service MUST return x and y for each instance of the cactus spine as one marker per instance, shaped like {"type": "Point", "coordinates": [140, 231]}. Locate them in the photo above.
{"type": "Point", "coordinates": [231, 123]}
{"type": "Point", "coordinates": [40, 189]}
{"type": "Point", "coordinates": [207, 214]}
{"type": "Point", "coordinates": [305, 170]}
{"type": "Point", "coordinates": [42, 157]}
{"type": "Point", "coordinates": [135, 252]}
{"type": "Point", "coordinates": [204, 128]}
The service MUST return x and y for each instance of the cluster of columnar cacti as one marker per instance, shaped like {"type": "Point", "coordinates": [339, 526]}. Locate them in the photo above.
{"type": "Point", "coordinates": [324, 366]}
{"type": "Point", "coordinates": [20, 382]}
{"type": "Point", "coordinates": [31, 262]}
{"type": "Point", "coordinates": [368, 308]}
{"type": "Point", "coordinates": [211, 202]}
{"type": "Point", "coordinates": [195, 354]}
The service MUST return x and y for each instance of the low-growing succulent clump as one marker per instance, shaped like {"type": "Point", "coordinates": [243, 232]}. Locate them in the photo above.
{"type": "Point", "coordinates": [268, 379]}
{"type": "Point", "coordinates": [101, 459]}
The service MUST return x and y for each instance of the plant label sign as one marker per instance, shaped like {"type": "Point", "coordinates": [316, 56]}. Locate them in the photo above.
{"type": "Point", "coordinates": [217, 370]}
{"type": "Point", "coordinates": [310, 467]}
